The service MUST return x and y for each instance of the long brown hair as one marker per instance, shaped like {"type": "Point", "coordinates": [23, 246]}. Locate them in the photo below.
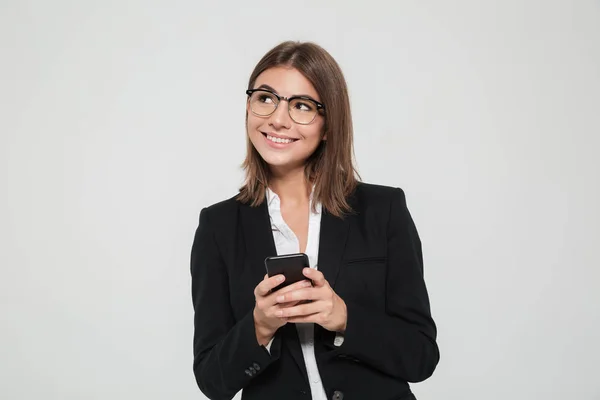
{"type": "Point", "coordinates": [331, 167]}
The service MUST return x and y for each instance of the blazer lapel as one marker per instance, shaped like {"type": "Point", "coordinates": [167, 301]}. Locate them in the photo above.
{"type": "Point", "coordinates": [260, 244]}
{"type": "Point", "coordinates": [332, 241]}
{"type": "Point", "coordinates": [257, 236]}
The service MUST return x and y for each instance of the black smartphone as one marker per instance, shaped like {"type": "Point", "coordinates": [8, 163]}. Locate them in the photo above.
{"type": "Point", "coordinates": [290, 265]}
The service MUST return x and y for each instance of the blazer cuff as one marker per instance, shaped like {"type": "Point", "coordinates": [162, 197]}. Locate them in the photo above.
{"type": "Point", "coordinates": [249, 358]}
{"type": "Point", "coordinates": [361, 334]}
{"type": "Point", "coordinates": [388, 344]}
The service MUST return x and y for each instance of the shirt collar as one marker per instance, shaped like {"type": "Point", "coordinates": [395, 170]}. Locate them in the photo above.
{"type": "Point", "coordinates": [273, 200]}
{"type": "Point", "coordinates": [271, 197]}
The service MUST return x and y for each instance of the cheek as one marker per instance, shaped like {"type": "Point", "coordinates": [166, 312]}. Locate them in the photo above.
{"type": "Point", "coordinates": [252, 125]}
{"type": "Point", "coordinates": [312, 134]}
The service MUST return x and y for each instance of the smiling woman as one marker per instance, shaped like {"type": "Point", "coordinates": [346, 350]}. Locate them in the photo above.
{"type": "Point", "coordinates": [360, 323]}
{"type": "Point", "coordinates": [311, 82]}
{"type": "Point", "coordinates": [272, 128]}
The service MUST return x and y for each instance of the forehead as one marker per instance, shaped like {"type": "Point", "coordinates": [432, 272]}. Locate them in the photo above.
{"type": "Point", "coordinates": [287, 82]}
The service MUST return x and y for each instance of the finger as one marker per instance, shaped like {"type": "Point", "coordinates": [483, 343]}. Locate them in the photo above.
{"type": "Point", "coordinates": [300, 310]}
{"type": "Point", "coordinates": [314, 318]}
{"type": "Point", "coordinates": [290, 304]}
{"type": "Point", "coordinates": [272, 298]}
{"type": "Point", "coordinates": [294, 286]}
{"type": "Point", "coordinates": [315, 276]}
{"type": "Point", "coordinates": [265, 286]}
{"type": "Point", "coordinates": [307, 293]}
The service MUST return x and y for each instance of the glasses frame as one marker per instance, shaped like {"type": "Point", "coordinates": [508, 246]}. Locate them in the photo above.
{"type": "Point", "coordinates": [320, 106]}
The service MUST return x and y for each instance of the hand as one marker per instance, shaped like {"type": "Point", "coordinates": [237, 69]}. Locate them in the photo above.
{"type": "Point", "coordinates": [326, 308]}
{"type": "Point", "coordinates": [266, 322]}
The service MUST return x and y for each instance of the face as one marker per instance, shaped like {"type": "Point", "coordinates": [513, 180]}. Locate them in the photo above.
{"type": "Point", "coordinates": [283, 143]}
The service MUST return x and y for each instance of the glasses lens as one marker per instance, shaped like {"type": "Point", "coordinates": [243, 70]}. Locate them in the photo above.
{"type": "Point", "coordinates": [303, 111]}
{"type": "Point", "coordinates": [263, 103]}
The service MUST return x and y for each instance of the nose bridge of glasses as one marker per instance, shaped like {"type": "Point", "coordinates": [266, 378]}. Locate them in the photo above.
{"type": "Point", "coordinates": [282, 98]}
{"type": "Point", "coordinates": [281, 112]}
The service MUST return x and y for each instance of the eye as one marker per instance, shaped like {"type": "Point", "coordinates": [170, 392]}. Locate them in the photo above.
{"type": "Point", "coordinates": [265, 98]}
{"type": "Point", "coordinates": [303, 105]}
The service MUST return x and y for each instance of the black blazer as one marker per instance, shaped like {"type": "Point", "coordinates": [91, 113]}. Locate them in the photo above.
{"type": "Point", "coordinates": [372, 259]}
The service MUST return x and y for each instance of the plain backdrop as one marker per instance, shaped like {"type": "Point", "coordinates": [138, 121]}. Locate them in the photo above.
{"type": "Point", "coordinates": [120, 120]}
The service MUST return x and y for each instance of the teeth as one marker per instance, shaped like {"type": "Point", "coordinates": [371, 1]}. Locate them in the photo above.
{"type": "Point", "coordinates": [279, 140]}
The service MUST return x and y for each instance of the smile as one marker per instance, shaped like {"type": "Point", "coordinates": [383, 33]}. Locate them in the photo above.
{"type": "Point", "coordinates": [278, 140]}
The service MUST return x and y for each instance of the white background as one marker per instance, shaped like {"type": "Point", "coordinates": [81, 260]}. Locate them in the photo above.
{"type": "Point", "coordinates": [120, 120]}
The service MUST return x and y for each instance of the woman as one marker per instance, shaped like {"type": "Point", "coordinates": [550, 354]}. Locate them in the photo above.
{"type": "Point", "coordinates": [359, 326]}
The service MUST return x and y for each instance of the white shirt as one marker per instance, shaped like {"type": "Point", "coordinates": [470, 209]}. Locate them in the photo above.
{"type": "Point", "coordinates": [286, 242]}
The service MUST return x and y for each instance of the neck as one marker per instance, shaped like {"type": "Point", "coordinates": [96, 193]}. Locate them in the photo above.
{"type": "Point", "coordinates": [291, 187]}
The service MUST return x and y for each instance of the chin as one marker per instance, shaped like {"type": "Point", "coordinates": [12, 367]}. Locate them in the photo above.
{"type": "Point", "coordinates": [279, 160]}
{"type": "Point", "coordinates": [274, 160]}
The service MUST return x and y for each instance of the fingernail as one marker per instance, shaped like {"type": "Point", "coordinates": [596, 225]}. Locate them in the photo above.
{"type": "Point", "coordinates": [280, 299]}
{"type": "Point", "coordinates": [279, 313]}
{"type": "Point", "coordinates": [281, 278]}
{"type": "Point", "coordinates": [307, 284]}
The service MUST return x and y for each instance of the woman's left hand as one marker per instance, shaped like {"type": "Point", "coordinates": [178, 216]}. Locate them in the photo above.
{"type": "Point", "coordinates": [325, 307]}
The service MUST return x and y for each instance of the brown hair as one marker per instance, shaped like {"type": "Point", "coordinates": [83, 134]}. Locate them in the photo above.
{"type": "Point", "coordinates": [331, 167]}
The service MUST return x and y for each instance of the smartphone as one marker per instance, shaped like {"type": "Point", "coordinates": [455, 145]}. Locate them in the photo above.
{"type": "Point", "coordinates": [290, 265]}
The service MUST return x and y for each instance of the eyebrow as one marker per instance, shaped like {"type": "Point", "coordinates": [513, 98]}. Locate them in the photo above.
{"type": "Point", "coordinates": [265, 86]}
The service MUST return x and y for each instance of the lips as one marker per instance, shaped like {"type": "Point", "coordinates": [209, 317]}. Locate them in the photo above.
{"type": "Point", "coordinates": [278, 139]}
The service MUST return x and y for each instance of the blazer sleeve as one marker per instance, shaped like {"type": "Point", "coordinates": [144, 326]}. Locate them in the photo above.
{"type": "Point", "coordinates": [401, 341]}
{"type": "Point", "coordinates": [227, 355]}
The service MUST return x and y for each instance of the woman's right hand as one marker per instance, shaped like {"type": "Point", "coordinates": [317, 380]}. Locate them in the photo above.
{"type": "Point", "coordinates": [266, 322]}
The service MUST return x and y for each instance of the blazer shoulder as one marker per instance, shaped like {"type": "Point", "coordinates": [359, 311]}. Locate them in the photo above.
{"type": "Point", "coordinates": [372, 194]}
{"type": "Point", "coordinates": [222, 208]}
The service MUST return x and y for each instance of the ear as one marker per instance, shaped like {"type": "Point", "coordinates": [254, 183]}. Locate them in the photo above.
{"type": "Point", "coordinates": [324, 138]}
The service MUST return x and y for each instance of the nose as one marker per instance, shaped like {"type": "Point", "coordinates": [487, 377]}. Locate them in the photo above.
{"type": "Point", "coordinates": [280, 119]}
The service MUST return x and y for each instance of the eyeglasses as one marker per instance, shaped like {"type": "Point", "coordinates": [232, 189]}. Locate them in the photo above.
{"type": "Point", "coordinates": [303, 110]}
